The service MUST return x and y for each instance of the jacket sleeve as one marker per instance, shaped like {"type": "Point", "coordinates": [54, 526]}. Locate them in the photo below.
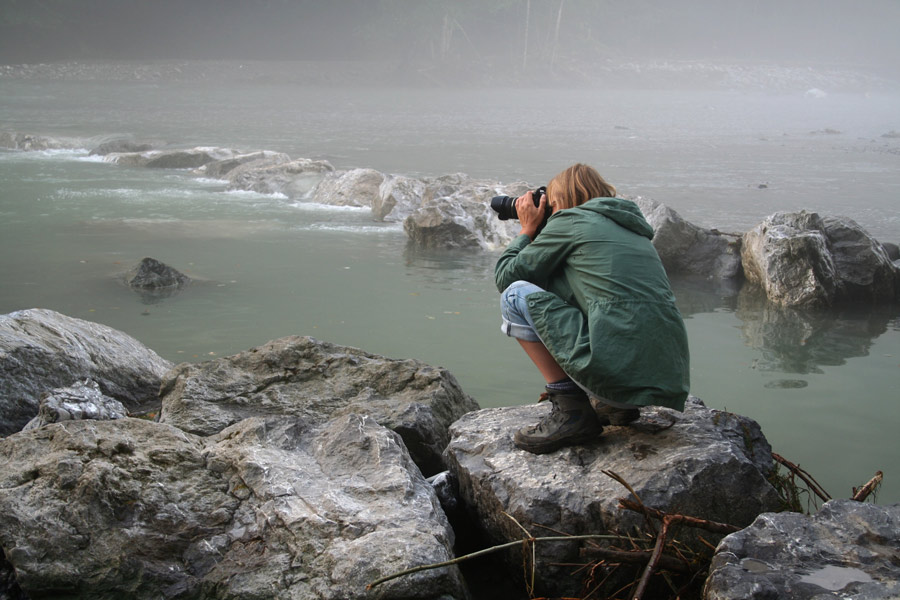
{"type": "Point", "coordinates": [535, 262]}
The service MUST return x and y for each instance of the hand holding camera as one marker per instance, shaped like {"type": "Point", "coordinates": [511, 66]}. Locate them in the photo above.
{"type": "Point", "coordinates": [532, 210]}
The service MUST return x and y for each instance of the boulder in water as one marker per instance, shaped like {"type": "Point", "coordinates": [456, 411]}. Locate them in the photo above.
{"type": "Point", "coordinates": [151, 274]}
{"type": "Point", "coordinates": [686, 248]}
{"type": "Point", "coordinates": [802, 260]}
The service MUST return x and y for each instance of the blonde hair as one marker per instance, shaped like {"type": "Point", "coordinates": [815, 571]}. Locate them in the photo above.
{"type": "Point", "coordinates": [576, 185]}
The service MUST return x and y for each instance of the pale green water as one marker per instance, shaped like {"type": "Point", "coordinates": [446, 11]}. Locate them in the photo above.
{"type": "Point", "coordinates": [823, 388]}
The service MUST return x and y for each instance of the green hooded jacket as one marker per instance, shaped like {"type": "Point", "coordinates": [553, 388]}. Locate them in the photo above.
{"type": "Point", "coordinates": [608, 316]}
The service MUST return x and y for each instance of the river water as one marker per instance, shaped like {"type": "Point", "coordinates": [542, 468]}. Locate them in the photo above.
{"type": "Point", "coordinates": [823, 386]}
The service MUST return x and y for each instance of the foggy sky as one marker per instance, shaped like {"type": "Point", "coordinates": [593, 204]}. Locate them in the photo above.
{"type": "Point", "coordinates": [860, 32]}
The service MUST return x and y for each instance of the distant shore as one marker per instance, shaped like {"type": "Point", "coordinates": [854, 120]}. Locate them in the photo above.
{"type": "Point", "coordinates": [618, 73]}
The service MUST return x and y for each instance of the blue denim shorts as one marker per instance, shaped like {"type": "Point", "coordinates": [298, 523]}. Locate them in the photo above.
{"type": "Point", "coordinates": [517, 322]}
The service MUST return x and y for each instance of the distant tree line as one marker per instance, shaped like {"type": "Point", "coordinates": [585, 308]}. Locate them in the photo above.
{"type": "Point", "coordinates": [519, 34]}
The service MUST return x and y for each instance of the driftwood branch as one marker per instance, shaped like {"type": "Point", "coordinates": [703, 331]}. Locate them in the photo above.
{"type": "Point", "coordinates": [713, 526]}
{"type": "Point", "coordinates": [667, 520]}
{"type": "Point", "coordinates": [862, 493]}
{"type": "Point", "coordinates": [806, 477]}
{"type": "Point", "coordinates": [638, 557]}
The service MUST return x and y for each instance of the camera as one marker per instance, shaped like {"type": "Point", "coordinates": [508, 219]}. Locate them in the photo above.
{"type": "Point", "coordinates": [505, 206]}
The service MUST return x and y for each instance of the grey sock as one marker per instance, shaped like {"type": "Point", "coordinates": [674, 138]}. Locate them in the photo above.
{"type": "Point", "coordinates": [563, 385]}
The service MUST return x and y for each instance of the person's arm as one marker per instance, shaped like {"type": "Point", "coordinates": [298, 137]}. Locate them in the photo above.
{"type": "Point", "coordinates": [535, 261]}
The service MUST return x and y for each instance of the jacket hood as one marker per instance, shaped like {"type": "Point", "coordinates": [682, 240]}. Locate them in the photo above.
{"type": "Point", "coordinates": [624, 212]}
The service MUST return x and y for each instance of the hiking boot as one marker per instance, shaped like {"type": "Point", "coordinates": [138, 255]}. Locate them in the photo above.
{"type": "Point", "coordinates": [571, 421]}
{"type": "Point", "coordinates": [608, 414]}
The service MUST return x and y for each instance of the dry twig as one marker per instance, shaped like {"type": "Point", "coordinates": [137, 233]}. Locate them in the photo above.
{"type": "Point", "coordinates": [862, 493]}
{"type": "Point", "coordinates": [806, 477]}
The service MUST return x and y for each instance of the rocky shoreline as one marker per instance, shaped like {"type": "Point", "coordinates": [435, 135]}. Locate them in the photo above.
{"type": "Point", "coordinates": [298, 468]}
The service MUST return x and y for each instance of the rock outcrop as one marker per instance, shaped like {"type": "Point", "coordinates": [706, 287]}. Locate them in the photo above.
{"type": "Point", "coordinates": [456, 214]}
{"type": "Point", "coordinates": [82, 400]}
{"type": "Point", "coordinates": [313, 380]}
{"type": "Point", "coordinates": [120, 146]}
{"type": "Point", "coordinates": [704, 463]}
{"type": "Point", "coordinates": [41, 350]}
{"type": "Point", "coordinates": [847, 549]}
{"type": "Point", "coordinates": [802, 260]}
{"type": "Point", "coordinates": [191, 158]}
{"type": "Point", "coordinates": [686, 248]}
{"type": "Point", "coordinates": [266, 509]}
{"type": "Point", "coordinates": [398, 197]}
{"type": "Point", "coordinates": [28, 142]}
{"type": "Point", "coordinates": [220, 168]}
{"type": "Point", "coordinates": [295, 179]}
{"type": "Point", "coordinates": [357, 187]}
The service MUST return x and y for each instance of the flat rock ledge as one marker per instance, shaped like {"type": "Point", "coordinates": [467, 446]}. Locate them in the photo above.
{"type": "Point", "coordinates": [703, 463]}
{"type": "Point", "coordinates": [306, 378]}
{"type": "Point", "coordinates": [268, 508]}
{"type": "Point", "coordinates": [846, 550]}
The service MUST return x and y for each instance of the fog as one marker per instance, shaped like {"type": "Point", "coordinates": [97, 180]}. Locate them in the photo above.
{"type": "Point", "coordinates": [477, 35]}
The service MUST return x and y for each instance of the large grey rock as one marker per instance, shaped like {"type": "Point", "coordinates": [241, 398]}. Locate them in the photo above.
{"type": "Point", "coordinates": [356, 187]}
{"type": "Point", "coordinates": [303, 377]}
{"type": "Point", "coordinates": [82, 400]}
{"type": "Point", "coordinates": [266, 509]}
{"type": "Point", "coordinates": [686, 248]}
{"type": "Point", "coordinates": [120, 146]}
{"type": "Point", "coordinates": [455, 213]}
{"type": "Point", "coordinates": [41, 350]}
{"type": "Point", "coordinates": [220, 168]}
{"type": "Point", "coordinates": [846, 550]}
{"type": "Point", "coordinates": [799, 259]}
{"type": "Point", "coordinates": [29, 142]}
{"type": "Point", "coordinates": [708, 464]}
{"type": "Point", "coordinates": [295, 178]}
{"type": "Point", "coordinates": [866, 273]}
{"type": "Point", "coordinates": [191, 158]}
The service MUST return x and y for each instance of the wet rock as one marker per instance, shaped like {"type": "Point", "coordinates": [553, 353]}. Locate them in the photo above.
{"type": "Point", "coordinates": [703, 463]}
{"type": "Point", "coordinates": [220, 168]}
{"type": "Point", "coordinates": [266, 509]}
{"type": "Point", "coordinates": [398, 197]}
{"type": "Point", "coordinates": [150, 274]}
{"type": "Point", "coordinates": [28, 142]}
{"type": "Point", "coordinates": [688, 249]}
{"type": "Point", "coordinates": [802, 260]}
{"type": "Point", "coordinates": [456, 214]}
{"type": "Point", "coordinates": [83, 400]}
{"type": "Point", "coordinates": [313, 380]}
{"type": "Point", "coordinates": [893, 250]}
{"type": "Point", "coordinates": [171, 159]}
{"type": "Point", "coordinates": [120, 146]}
{"type": "Point", "coordinates": [295, 178]}
{"type": "Point", "coordinates": [357, 187]}
{"type": "Point", "coordinates": [41, 350]}
{"type": "Point", "coordinates": [846, 550]}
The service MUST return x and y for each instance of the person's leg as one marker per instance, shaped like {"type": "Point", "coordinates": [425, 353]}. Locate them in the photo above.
{"type": "Point", "coordinates": [544, 361]}
{"type": "Point", "coordinates": [517, 323]}
{"type": "Point", "coordinates": [572, 419]}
